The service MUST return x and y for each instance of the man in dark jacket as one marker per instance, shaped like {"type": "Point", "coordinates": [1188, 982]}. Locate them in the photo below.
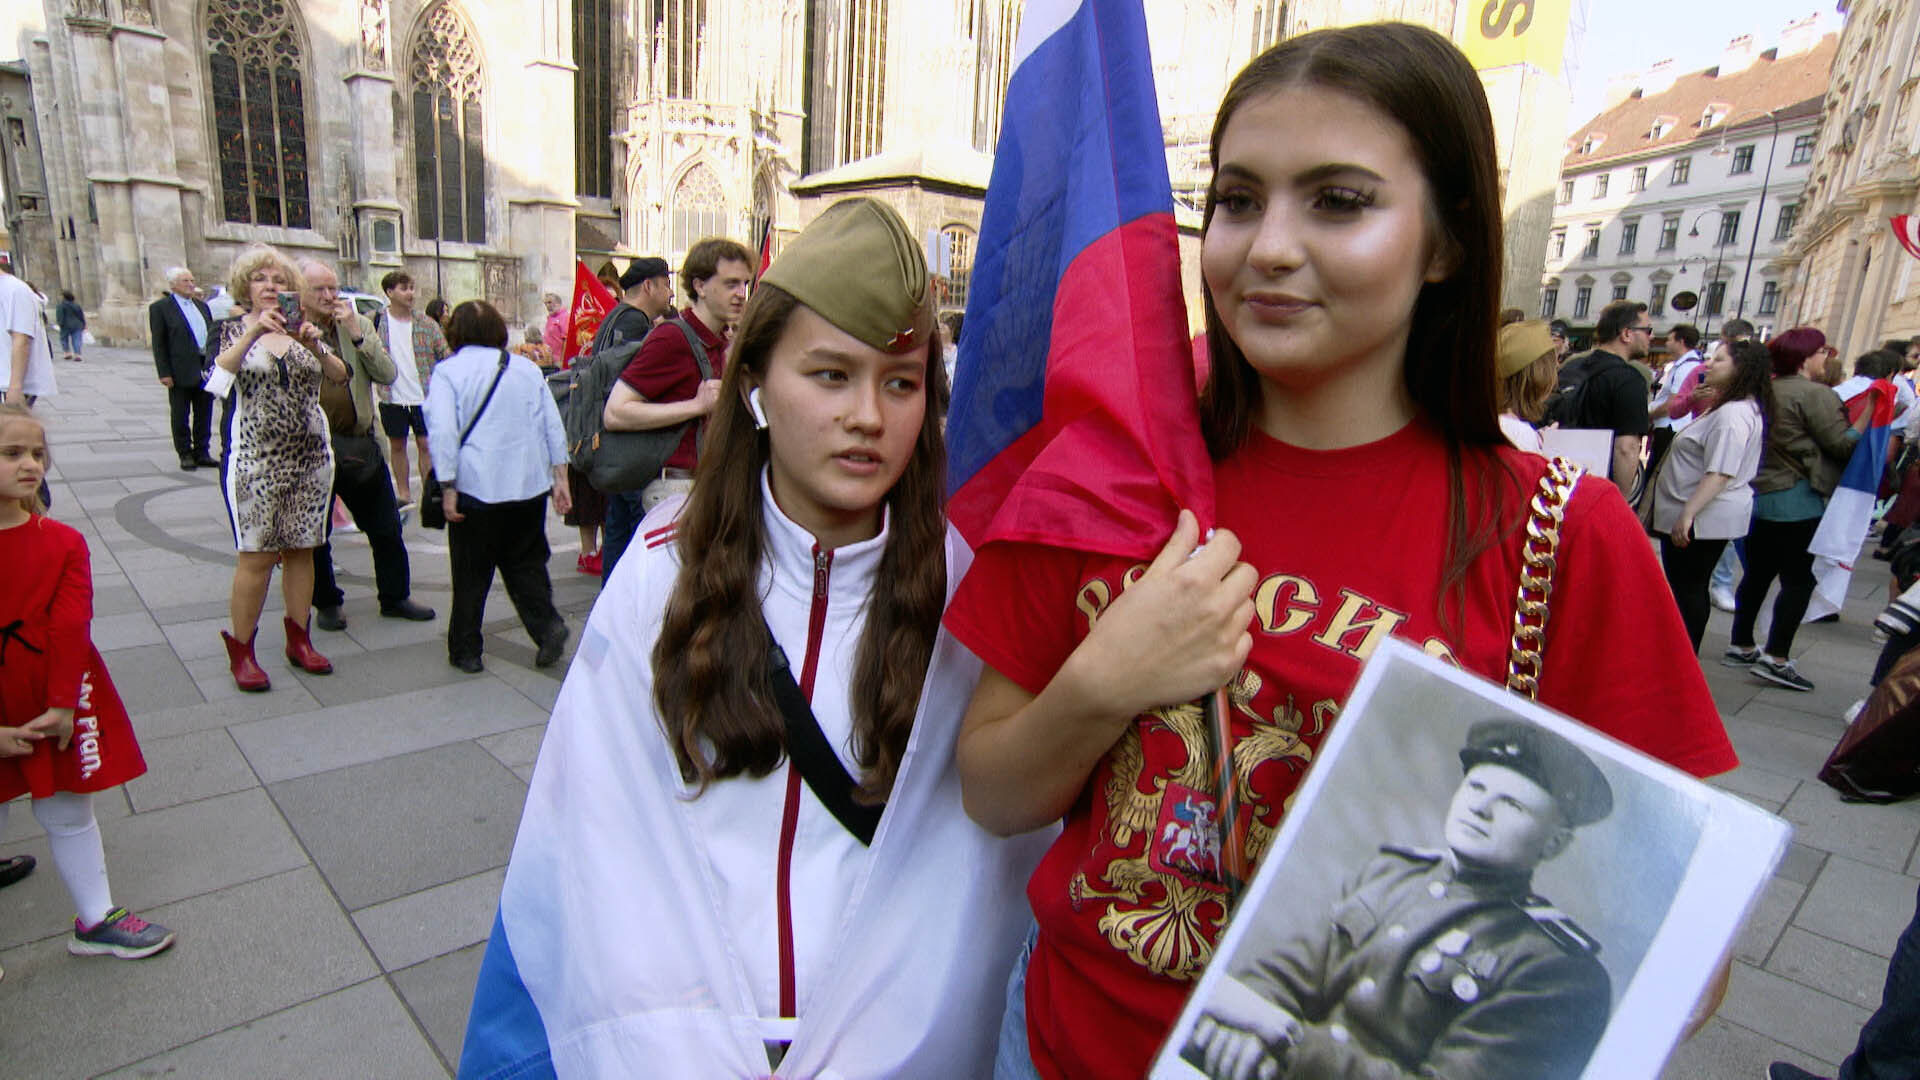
{"type": "Point", "coordinates": [1439, 962]}
{"type": "Point", "coordinates": [178, 324]}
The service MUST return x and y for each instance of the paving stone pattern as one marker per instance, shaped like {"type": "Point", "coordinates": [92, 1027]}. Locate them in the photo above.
{"type": "Point", "coordinates": [331, 852]}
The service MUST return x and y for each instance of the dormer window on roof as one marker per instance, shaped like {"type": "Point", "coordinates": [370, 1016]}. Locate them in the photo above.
{"type": "Point", "coordinates": [1713, 114]}
{"type": "Point", "coordinates": [1662, 125]}
{"type": "Point", "coordinates": [1592, 142]}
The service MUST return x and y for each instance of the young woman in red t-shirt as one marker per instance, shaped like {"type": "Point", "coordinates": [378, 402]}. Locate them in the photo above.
{"type": "Point", "coordinates": [1351, 264]}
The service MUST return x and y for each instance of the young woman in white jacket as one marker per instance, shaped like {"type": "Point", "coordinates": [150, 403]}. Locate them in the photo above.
{"type": "Point", "coordinates": [683, 900]}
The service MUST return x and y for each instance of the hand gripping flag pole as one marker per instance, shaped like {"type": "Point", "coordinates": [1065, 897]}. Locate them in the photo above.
{"type": "Point", "coordinates": [1074, 420]}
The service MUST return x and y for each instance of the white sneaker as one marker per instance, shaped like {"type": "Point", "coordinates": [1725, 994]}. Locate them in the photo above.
{"type": "Point", "coordinates": [1722, 597]}
{"type": "Point", "coordinates": [1854, 710]}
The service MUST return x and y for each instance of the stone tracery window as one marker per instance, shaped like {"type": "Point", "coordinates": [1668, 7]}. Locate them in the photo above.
{"type": "Point", "coordinates": [254, 70]}
{"type": "Point", "coordinates": [449, 148]}
{"type": "Point", "coordinates": [699, 208]}
{"type": "Point", "coordinates": [954, 265]}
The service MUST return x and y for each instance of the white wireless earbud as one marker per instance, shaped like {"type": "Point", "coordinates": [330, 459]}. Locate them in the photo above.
{"type": "Point", "coordinates": [759, 412]}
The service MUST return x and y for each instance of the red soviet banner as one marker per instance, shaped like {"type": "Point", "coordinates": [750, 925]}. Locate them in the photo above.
{"type": "Point", "coordinates": [591, 302]}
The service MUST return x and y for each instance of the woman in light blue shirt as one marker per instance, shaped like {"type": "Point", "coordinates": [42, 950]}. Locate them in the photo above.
{"type": "Point", "coordinates": [498, 449]}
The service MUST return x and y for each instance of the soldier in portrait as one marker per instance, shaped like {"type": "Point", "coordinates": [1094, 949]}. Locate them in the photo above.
{"type": "Point", "coordinates": [1438, 962]}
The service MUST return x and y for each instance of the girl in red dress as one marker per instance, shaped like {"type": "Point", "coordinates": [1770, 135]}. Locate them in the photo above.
{"type": "Point", "coordinates": [63, 731]}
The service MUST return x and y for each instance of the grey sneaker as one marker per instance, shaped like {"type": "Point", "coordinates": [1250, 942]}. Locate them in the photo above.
{"type": "Point", "coordinates": [1781, 673]}
{"type": "Point", "coordinates": [1738, 657]}
{"type": "Point", "coordinates": [120, 934]}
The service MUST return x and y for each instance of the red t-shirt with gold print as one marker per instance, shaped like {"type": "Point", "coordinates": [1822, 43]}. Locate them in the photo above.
{"type": "Point", "coordinates": [1351, 547]}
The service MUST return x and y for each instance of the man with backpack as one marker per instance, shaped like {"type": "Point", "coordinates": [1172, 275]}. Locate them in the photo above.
{"type": "Point", "coordinates": [673, 380]}
{"type": "Point", "coordinates": [1599, 390]}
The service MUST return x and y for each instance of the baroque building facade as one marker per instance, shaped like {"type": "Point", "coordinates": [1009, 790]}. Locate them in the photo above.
{"type": "Point", "coordinates": [1846, 272]}
{"type": "Point", "coordinates": [1689, 185]}
{"type": "Point", "coordinates": [485, 144]}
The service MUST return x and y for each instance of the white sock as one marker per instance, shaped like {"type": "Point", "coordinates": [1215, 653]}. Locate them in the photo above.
{"type": "Point", "coordinates": [74, 836]}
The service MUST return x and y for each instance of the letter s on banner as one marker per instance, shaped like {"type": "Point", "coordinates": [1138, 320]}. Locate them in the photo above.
{"type": "Point", "coordinates": [1499, 33]}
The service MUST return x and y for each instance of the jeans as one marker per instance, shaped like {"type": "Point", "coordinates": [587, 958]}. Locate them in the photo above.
{"type": "Point", "coordinates": [71, 340]}
{"type": "Point", "coordinates": [1688, 569]}
{"type": "Point", "coordinates": [510, 537]}
{"type": "Point", "coordinates": [625, 509]}
{"type": "Point", "coordinates": [623, 520]}
{"type": "Point", "coordinates": [1013, 1060]}
{"type": "Point", "coordinates": [1775, 549]}
{"type": "Point", "coordinates": [361, 480]}
{"type": "Point", "coordinates": [1889, 1046]}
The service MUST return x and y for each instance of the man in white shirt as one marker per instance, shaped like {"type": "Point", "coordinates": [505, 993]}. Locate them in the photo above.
{"type": "Point", "coordinates": [1687, 337]}
{"type": "Point", "coordinates": [29, 371]}
{"type": "Point", "coordinates": [415, 345]}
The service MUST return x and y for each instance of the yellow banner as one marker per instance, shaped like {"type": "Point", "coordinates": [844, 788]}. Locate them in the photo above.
{"type": "Point", "coordinates": [1496, 33]}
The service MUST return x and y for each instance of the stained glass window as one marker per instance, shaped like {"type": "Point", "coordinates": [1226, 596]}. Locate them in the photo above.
{"type": "Point", "coordinates": [254, 62]}
{"type": "Point", "coordinates": [593, 103]}
{"type": "Point", "coordinates": [699, 208]}
{"type": "Point", "coordinates": [449, 148]}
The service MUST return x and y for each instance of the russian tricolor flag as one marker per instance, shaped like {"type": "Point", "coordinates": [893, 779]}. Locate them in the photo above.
{"type": "Point", "coordinates": [1074, 420]}
{"type": "Point", "coordinates": [1843, 528]}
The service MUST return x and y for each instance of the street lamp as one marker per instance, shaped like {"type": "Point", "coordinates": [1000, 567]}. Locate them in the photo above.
{"type": "Point", "coordinates": [1718, 248]}
{"type": "Point", "coordinates": [1760, 212]}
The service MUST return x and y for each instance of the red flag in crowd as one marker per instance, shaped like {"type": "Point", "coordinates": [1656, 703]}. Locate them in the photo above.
{"type": "Point", "coordinates": [1907, 228]}
{"type": "Point", "coordinates": [591, 302]}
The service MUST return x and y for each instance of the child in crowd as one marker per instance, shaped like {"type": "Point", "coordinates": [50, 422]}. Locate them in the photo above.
{"type": "Point", "coordinates": [63, 731]}
{"type": "Point", "coordinates": [1350, 264]}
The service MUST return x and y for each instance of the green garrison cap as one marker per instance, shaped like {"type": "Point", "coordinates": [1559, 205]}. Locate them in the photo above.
{"type": "Point", "coordinates": [1545, 758]}
{"type": "Point", "coordinates": [859, 268]}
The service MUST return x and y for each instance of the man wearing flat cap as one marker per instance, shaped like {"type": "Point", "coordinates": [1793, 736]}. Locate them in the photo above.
{"type": "Point", "coordinates": [646, 293]}
{"type": "Point", "coordinates": [1438, 963]}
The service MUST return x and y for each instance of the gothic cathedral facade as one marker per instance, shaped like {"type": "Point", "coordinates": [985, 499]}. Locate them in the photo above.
{"type": "Point", "coordinates": [484, 145]}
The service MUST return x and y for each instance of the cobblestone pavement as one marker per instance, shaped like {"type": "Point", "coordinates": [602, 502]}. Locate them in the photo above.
{"type": "Point", "coordinates": [331, 852]}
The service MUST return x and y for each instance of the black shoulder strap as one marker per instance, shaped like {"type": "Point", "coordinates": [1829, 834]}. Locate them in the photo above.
{"type": "Point", "coordinates": [813, 755]}
{"type": "Point", "coordinates": [485, 401]}
{"type": "Point", "coordinates": [693, 342]}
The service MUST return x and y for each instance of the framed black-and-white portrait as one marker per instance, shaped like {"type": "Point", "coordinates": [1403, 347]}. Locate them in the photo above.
{"type": "Point", "coordinates": [1469, 884]}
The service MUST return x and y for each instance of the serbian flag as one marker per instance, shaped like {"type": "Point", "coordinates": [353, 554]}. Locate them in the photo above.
{"type": "Point", "coordinates": [1907, 228]}
{"type": "Point", "coordinates": [1074, 421]}
{"type": "Point", "coordinates": [1843, 528]}
{"type": "Point", "coordinates": [591, 302]}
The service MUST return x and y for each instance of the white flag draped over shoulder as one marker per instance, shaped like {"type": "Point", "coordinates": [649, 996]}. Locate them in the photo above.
{"type": "Point", "coordinates": [1843, 528]}
{"type": "Point", "coordinates": [610, 958]}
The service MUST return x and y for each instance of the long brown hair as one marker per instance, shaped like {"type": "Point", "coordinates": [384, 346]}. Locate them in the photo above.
{"type": "Point", "coordinates": [1417, 78]}
{"type": "Point", "coordinates": [709, 679]}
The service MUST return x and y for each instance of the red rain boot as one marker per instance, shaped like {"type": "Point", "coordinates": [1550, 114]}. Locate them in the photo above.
{"type": "Point", "coordinates": [301, 652]}
{"type": "Point", "coordinates": [247, 673]}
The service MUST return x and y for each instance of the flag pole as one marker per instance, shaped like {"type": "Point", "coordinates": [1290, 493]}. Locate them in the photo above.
{"type": "Point", "coordinates": [1226, 790]}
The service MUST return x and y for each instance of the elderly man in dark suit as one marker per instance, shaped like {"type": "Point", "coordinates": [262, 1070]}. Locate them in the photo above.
{"type": "Point", "coordinates": [178, 324]}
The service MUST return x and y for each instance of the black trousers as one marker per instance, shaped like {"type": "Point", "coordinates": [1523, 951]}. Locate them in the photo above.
{"type": "Point", "coordinates": [1775, 549]}
{"type": "Point", "coordinates": [1689, 569]}
{"type": "Point", "coordinates": [509, 537]}
{"type": "Point", "coordinates": [192, 416]}
{"type": "Point", "coordinates": [361, 481]}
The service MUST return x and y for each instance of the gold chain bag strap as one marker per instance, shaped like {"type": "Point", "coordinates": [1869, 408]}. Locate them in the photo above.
{"type": "Point", "coordinates": [1539, 551]}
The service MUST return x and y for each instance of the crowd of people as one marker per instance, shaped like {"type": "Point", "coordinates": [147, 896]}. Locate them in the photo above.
{"type": "Point", "coordinates": [891, 802]}
{"type": "Point", "coordinates": [1730, 453]}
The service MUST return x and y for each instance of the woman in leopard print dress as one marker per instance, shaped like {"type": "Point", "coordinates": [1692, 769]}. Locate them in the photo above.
{"type": "Point", "coordinates": [278, 473]}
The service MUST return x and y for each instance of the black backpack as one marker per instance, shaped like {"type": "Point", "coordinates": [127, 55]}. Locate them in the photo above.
{"type": "Point", "coordinates": [618, 460]}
